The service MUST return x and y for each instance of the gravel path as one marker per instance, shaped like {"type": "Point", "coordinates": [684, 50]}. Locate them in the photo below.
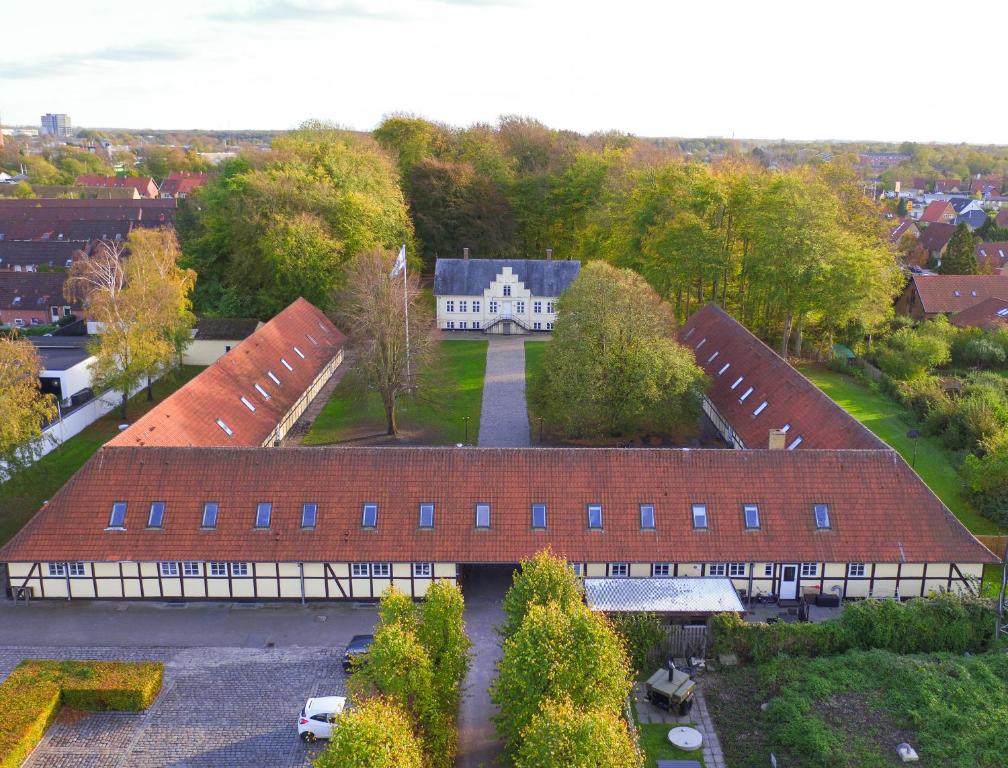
{"type": "Point", "coordinates": [504, 419]}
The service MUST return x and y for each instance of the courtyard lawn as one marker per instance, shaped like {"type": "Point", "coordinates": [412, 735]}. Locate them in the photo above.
{"type": "Point", "coordinates": [891, 421]}
{"type": "Point", "coordinates": [435, 417]}
{"type": "Point", "coordinates": [22, 497]}
{"type": "Point", "coordinates": [654, 741]}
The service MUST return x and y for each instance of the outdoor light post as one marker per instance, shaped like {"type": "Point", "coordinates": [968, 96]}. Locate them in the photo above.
{"type": "Point", "coordinates": [913, 434]}
{"type": "Point", "coordinates": [540, 430]}
{"type": "Point", "coordinates": [465, 420]}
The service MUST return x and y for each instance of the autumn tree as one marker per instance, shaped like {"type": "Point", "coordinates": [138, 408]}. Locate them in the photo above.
{"type": "Point", "coordinates": [373, 309]}
{"type": "Point", "coordinates": [141, 304]}
{"type": "Point", "coordinates": [960, 254]}
{"type": "Point", "coordinates": [561, 735]}
{"type": "Point", "coordinates": [374, 733]}
{"type": "Point", "coordinates": [541, 579]}
{"type": "Point", "coordinates": [614, 366]}
{"type": "Point", "coordinates": [24, 408]}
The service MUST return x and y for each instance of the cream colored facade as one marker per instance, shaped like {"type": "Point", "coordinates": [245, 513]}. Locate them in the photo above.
{"type": "Point", "coordinates": [506, 298]}
{"type": "Point", "coordinates": [207, 351]}
{"type": "Point", "coordinates": [299, 407]}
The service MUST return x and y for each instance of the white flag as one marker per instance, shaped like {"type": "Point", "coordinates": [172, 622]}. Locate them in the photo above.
{"type": "Point", "coordinates": [400, 262]}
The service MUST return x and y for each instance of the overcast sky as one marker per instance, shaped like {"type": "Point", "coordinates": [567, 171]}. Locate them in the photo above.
{"type": "Point", "coordinates": [746, 68]}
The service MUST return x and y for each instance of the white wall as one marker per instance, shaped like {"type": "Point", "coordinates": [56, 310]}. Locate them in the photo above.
{"type": "Point", "coordinates": [207, 351]}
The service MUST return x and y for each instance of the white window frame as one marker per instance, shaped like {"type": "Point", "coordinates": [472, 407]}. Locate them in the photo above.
{"type": "Point", "coordinates": [57, 569]}
{"type": "Point", "coordinates": [449, 306]}
{"type": "Point", "coordinates": [150, 515]}
{"type": "Point", "coordinates": [239, 569]}
{"type": "Point", "coordinates": [483, 509]}
{"type": "Point", "coordinates": [550, 307]}
{"type": "Point", "coordinates": [381, 570]}
{"type": "Point", "coordinates": [619, 570]}
{"type": "Point", "coordinates": [809, 570]}
{"type": "Point", "coordinates": [751, 524]}
{"type": "Point", "coordinates": [601, 517]}
{"type": "Point", "coordinates": [736, 570]}
{"type": "Point", "coordinates": [493, 307]}
{"type": "Point", "coordinates": [545, 516]}
{"type": "Point", "coordinates": [364, 513]}
{"type": "Point", "coordinates": [826, 517]}
{"type": "Point", "coordinates": [651, 512]}
{"type": "Point", "coordinates": [360, 570]}
{"type": "Point", "coordinates": [768, 570]}
{"type": "Point", "coordinates": [75, 568]}
{"type": "Point", "coordinates": [264, 509]}
{"type": "Point", "coordinates": [506, 290]}
{"type": "Point", "coordinates": [856, 570]}
{"type": "Point", "coordinates": [420, 515]}
{"type": "Point", "coordinates": [168, 568]}
{"type": "Point", "coordinates": [661, 570]}
{"type": "Point", "coordinates": [463, 306]}
{"type": "Point", "coordinates": [216, 511]}
{"type": "Point", "coordinates": [423, 570]}
{"type": "Point", "coordinates": [717, 569]}
{"type": "Point", "coordinates": [314, 517]}
{"type": "Point", "coordinates": [217, 569]}
{"type": "Point", "coordinates": [577, 569]}
{"type": "Point", "coordinates": [475, 307]}
{"type": "Point", "coordinates": [121, 525]}
{"type": "Point", "coordinates": [190, 568]}
{"type": "Point", "coordinates": [699, 510]}
{"type": "Point", "coordinates": [520, 307]}
{"type": "Point", "coordinates": [537, 307]}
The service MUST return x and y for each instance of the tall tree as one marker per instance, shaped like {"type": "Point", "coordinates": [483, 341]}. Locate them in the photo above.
{"type": "Point", "coordinates": [374, 733]}
{"type": "Point", "coordinates": [960, 255]}
{"type": "Point", "coordinates": [373, 309]}
{"type": "Point", "coordinates": [24, 407]}
{"type": "Point", "coordinates": [544, 578]}
{"type": "Point", "coordinates": [564, 736]}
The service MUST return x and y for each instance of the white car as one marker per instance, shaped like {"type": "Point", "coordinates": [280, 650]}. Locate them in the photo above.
{"type": "Point", "coordinates": [318, 715]}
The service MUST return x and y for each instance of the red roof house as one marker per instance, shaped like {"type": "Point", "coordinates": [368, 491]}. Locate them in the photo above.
{"type": "Point", "coordinates": [992, 258]}
{"type": "Point", "coordinates": [927, 296]}
{"type": "Point", "coordinates": [144, 185]}
{"type": "Point", "coordinates": [939, 211]}
{"type": "Point", "coordinates": [989, 314]}
{"type": "Point", "coordinates": [180, 184]}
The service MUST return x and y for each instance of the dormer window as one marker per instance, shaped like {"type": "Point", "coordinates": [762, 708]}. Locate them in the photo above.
{"type": "Point", "coordinates": [699, 515]}
{"type": "Point", "coordinates": [309, 513]}
{"type": "Point", "coordinates": [538, 515]}
{"type": "Point", "coordinates": [821, 512]}
{"type": "Point", "coordinates": [482, 515]}
{"type": "Point", "coordinates": [751, 514]}
{"type": "Point", "coordinates": [156, 517]}
{"type": "Point", "coordinates": [647, 517]}
{"type": "Point", "coordinates": [286, 365]}
{"type": "Point", "coordinates": [369, 516]}
{"type": "Point", "coordinates": [299, 353]}
{"type": "Point", "coordinates": [263, 511]}
{"type": "Point", "coordinates": [210, 514]}
{"type": "Point", "coordinates": [426, 515]}
{"type": "Point", "coordinates": [117, 520]}
{"type": "Point", "coordinates": [595, 516]}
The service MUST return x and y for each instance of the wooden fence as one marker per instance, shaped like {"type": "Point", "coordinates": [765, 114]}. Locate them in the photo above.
{"type": "Point", "coordinates": [680, 642]}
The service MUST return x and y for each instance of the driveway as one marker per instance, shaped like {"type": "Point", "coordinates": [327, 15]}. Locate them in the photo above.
{"type": "Point", "coordinates": [504, 418]}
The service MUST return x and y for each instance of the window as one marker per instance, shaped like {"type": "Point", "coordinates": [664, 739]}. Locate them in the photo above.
{"type": "Point", "coordinates": [426, 515]}
{"type": "Point", "coordinates": [537, 307]}
{"type": "Point", "coordinates": [75, 568]}
{"type": "Point", "coordinates": [699, 515]}
{"type": "Point", "coordinates": [462, 306]}
{"type": "Point", "coordinates": [227, 430]}
{"type": "Point", "coordinates": [118, 517]}
{"type": "Point", "coordinates": [476, 324]}
{"type": "Point", "coordinates": [156, 517]}
{"type": "Point", "coordinates": [520, 307]}
{"type": "Point", "coordinates": [239, 569]}
{"type": "Point", "coordinates": [190, 568]}
{"type": "Point", "coordinates": [595, 516]}
{"type": "Point", "coordinates": [18, 322]}
{"type": "Point", "coordinates": [856, 570]}
{"type": "Point", "coordinates": [736, 569]}
{"type": "Point", "coordinates": [661, 570]}
{"type": "Point", "coordinates": [360, 570]}
{"type": "Point", "coordinates": [482, 515]}
{"type": "Point", "coordinates": [576, 568]}
{"type": "Point", "coordinates": [795, 443]}
{"type": "Point", "coordinates": [168, 568]}
{"type": "Point", "coordinates": [549, 326]}
{"type": "Point", "coordinates": [700, 344]}
{"type": "Point", "coordinates": [647, 519]}
{"type": "Point", "coordinates": [449, 306]}
{"type": "Point", "coordinates": [422, 570]}
{"type": "Point", "coordinates": [550, 307]}
{"type": "Point", "coordinates": [286, 365]}
{"type": "Point", "coordinates": [273, 377]}
{"type": "Point", "coordinates": [538, 515]}
{"type": "Point", "coordinates": [751, 513]}
{"type": "Point", "coordinates": [821, 512]}
{"type": "Point", "coordinates": [493, 307]}
{"type": "Point", "coordinates": [810, 569]}
{"type": "Point", "coordinates": [263, 392]}
{"type": "Point", "coordinates": [618, 570]}
{"type": "Point", "coordinates": [724, 368]}
{"type": "Point", "coordinates": [711, 358]}
{"type": "Point", "coordinates": [476, 307]}
{"type": "Point", "coordinates": [299, 353]}
{"type": "Point", "coordinates": [507, 290]}
{"type": "Point", "coordinates": [309, 511]}
{"type": "Point", "coordinates": [759, 408]}
{"type": "Point", "coordinates": [450, 325]}
{"type": "Point", "coordinates": [210, 514]}
{"type": "Point", "coordinates": [311, 339]}
{"type": "Point", "coordinates": [57, 569]}
{"type": "Point", "coordinates": [536, 326]}
{"type": "Point", "coordinates": [716, 569]}
{"type": "Point", "coordinates": [463, 325]}
{"type": "Point", "coordinates": [768, 569]}
{"type": "Point", "coordinates": [369, 516]}
{"type": "Point", "coordinates": [247, 403]}
{"type": "Point", "coordinates": [785, 428]}
{"type": "Point", "coordinates": [381, 570]}
{"type": "Point", "coordinates": [263, 511]}
{"type": "Point", "coordinates": [217, 569]}
{"type": "Point", "coordinates": [737, 382]}
{"type": "Point", "coordinates": [745, 395]}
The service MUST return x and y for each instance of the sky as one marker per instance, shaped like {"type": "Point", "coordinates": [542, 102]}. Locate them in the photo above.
{"type": "Point", "coordinates": [767, 69]}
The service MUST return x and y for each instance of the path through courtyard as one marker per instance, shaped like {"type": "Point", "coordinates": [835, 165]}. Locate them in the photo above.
{"type": "Point", "coordinates": [504, 418]}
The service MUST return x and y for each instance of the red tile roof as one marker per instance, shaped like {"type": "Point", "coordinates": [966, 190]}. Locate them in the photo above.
{"type": "Point", "coordinates": [47, 203]}
{"type": "Point", "coordinates": [182, 182]}
{"type": "Point", "coordinates": [879, 510]}
{"type": "Point", "coordinates": [144, 185]}
{"type": "Point", "coordinates": [906, 225]}
{"type": "Point", "coordinates": [189, 416]}
{"type": "Point", "coordinates": [32, 290]}
{"type": "Point", "coordinates": [936, 236]}
{"type": "Point", "coordinates": [992, 255]}
{"type": "Point", "coordinates": [990, 313]}
{"type": "Point", "coordinates": [954, 293]}
{"type": "Point", "coordinates": [792, 400]}
{"type": "Point", "coordinates": [938, 210]}
{"type": "Point", "coordinates": [1002, 218]}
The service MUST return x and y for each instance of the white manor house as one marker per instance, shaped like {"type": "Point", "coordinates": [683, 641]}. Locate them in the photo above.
{"type": "Point", "coordinates": [506, 296]}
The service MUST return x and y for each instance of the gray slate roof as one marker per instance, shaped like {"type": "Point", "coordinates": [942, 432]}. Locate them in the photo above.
{"type": "Point", "coordinates": [470, 277]}
{"type": "Point", "coordinates": [682, 595]}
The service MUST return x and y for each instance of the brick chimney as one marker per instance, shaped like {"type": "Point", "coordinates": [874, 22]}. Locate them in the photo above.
{"type": "Point", "coordinates": [549, 254]}
{"type": "Point", "coordinates": [465, 253]}
{"type": "Point", "coordinates": [777, 438]}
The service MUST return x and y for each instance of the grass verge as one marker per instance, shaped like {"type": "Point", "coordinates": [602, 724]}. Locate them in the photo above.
{"type": "Point", "coordinates": [22, 497]}
{"type": "Point", "coordinates": [32, 695]}
{"type": "Point", "coordinates": [435, 417]}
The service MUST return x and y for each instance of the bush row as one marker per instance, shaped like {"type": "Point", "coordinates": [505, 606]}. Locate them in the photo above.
{"type": "Point", "coordinates": [33, 693]}
{"type": "Point", "coordinates": [944, 622]}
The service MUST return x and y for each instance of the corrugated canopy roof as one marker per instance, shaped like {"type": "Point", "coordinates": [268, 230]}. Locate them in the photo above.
{"type": "Point", "coordinates": [706, 595]}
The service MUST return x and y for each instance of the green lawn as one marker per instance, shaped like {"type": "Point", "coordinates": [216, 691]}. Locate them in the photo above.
{"type": "Point", "coordinates": [22, 497]}
{"type": "Point", "coordinates": [891, 421]}
{"type": "Point", "coordinates": [654, 741]}
{"type": "Point", "coordinates": [435, 417]}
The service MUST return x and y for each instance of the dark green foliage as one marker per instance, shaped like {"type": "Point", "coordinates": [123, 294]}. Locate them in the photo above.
{"type": "Point", "coordinates": [960, 254]}
{"type": "Point", "coordinates": [641, 634]}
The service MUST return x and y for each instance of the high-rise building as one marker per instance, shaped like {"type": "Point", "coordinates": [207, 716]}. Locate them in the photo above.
{"type": "Point", "coordinates": [56, 125]}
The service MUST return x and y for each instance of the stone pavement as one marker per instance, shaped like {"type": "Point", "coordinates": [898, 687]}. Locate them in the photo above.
{"type": "Point", "coordinates": [698, 718]}
{"type": "Point", "coordinates": [504, 419]}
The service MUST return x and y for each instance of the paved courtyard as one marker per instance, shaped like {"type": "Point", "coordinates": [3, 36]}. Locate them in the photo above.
{"type": "Point", "coordinates": [504, 419]}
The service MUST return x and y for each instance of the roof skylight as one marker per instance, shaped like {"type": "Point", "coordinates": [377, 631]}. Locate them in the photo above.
{"type": "Point", "coordinates": [795, 443]}
{"type": "Point", "coordinates": [286, 364]}
{"type": "Point", "coordinates": [299, 353]}
{"type": "Point", "coordinates": [227, 430]}
{"type": "Point", "coordinates": [261, 391]}
{"type": "Point", "coordinates": [273, 377]}
{"type": "Point", "coordinates": [759, 408]}
{"type": "Point", "coordinates": [724, 368]}
{"type": "Point", "coordinates": [737, 382]}
{"type": "Point", "coordinates": [745, 394]}
{"type": "Point", "coordinates": [248, 403]}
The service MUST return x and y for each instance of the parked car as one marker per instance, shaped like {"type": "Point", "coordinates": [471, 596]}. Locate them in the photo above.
{"type": "Point", "coordinates": [318, 715]}
{"type": "Point", "coordinates": [356, 649]}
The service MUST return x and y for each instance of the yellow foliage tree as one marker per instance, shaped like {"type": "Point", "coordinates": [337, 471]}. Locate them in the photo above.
{"type": "Point", "coordinates": [24, 409]}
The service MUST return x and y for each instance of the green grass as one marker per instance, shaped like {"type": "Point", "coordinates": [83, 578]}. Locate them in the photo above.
{"type": "Point", "coordinates": [891, 421]}
{"type": "Point", "coordinates": [22, 497]}
{"type": "Point", "coordinates": [435, 417]}
{"type": "Point", "coordinates": [654, 741]}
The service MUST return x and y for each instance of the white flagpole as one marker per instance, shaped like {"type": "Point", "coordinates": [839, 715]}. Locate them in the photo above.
{"type": "Point", "coordinates": [409, 381]}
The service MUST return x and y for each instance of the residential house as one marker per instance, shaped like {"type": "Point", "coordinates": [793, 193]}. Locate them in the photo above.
{"type": "Point", "coordinates": [66, 368]}
{"type": "Point", "coordinates": [180, 184]}
{"type": "Point", "coordinates": [927, 296]}
{"type": "Point", "coordinates": [33, 298]}
{"type": "Point", "coordinates": [938, 211]}
{"type": "Point", "coordinates": [906, 228]}
{"type": "Point", "coordinates": [33, 255]}
{"type": "Point", "coordinates": [90, 219]}
{"type": "Point", "coordinates": [992, 258]}
{"type": "Point", "coordinates": [931, 244]}
{"type": "Point", "coordinates": [989, 314]}
{"type": "Point", "coordinates": [964, 205]}
{"type": "Point", "coordinates": [950, 186]}
{"type": "Point", "coordinates": [1002, 218]}
{"type": "Point", "coordinates": [144, 185]}
{"type": "Point", "coordinates": [973, 219]}
{"type": "Point", "coordinates": [986, 186]}
{"type": "Point", "coordinates": [253, 394]}
{"type": "Point", "coordinates": [214, 337]}
{"type": "Point", "coordinates": [500, 295]}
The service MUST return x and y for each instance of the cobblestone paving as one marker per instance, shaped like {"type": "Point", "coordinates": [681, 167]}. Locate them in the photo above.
{"type": "Point", "coordinates": [504, 419]}
{"type": "Point", "coordinates": [219, 708]}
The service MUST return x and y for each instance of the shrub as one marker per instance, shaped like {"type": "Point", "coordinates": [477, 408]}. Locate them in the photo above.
{"type": "Point", "coordinates": [376, 733]}
{"type": "Point", "coordinates": [545, 578]}
{"type": "Point", "coordinates": [562, 735]}
{"type": "Point", "coordinates": [922, 395]}
{"type": "Point", "coordinates": [986, 477]}
{"type": "Point", "coordinates": [641, 633]}
{"type": "Point", "coordinates": [910, 353]}
{"type": "Point", "coordinates": [33, 693]}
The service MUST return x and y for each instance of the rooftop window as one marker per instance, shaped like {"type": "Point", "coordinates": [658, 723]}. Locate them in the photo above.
{"type": "Point", "coordinates": [647, 518]}
{"type": "Point", "coordinates": [785, 428]}
{"type": "Point", "coordinates": [248, 403]}
{"type": "Point", "coordinates": [688, 334]}
{"type": "Point", "coordinates": [156, 517]}
{"type": "Point", "coordinates": [711, 358]}
{"type": "Point", "coordinates": [538, 515]}
{"type": "Point", "coordinates": [309, 513]}
{"type": "Point", "coordinates": [595, 516]}
{"type": "Point", "coordinates": [299, 353]}
{"type": "Point", "coordinates": [737, 382]}
{"type": "Point", "coordinates": [273, 377]}
{"type": "Point", "coordinates": [795, 443]}
{"type": "Point", "coordinates": [286, 364]}
{"type": "Point", "coordinates": [724, 368]}
{"type": "Point", "coordinates": [118, 517]}
{"type": "Point", "coordinates": [699, 515]}
{"type": "Point", "coordinates": [702, 342]}
{"type": "Point", "coordinates": [759, 408]}
{"type": "Point", "coordinates": [261, 391]}
{"type": "Point", "coordinates": [227, 430]}
{"type": "Point", "coordinates": [311, 339]}
{"type": "Point", "coordinates": [427, 515]}
{"type": "Point", "coordinates": [751, 513]}
{"type": "Point", "coordinates": [745, 394]}
{"type": "Point", "coordinates": [263, 512]}
{"type": "Point", "coordinates": [821, 512]}
{"type": "Point", "coordinates": [369, 516]}
{"type": "Point", "coordinates": [210, 514]}
{"type": "Point", "coordinates": [482, 515]}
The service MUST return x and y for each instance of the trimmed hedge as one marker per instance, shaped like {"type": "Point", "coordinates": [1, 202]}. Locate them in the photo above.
{"type": "Point", "coordinates": [33, 693]}
{"type": "Point", "coordinates": [943, 622]}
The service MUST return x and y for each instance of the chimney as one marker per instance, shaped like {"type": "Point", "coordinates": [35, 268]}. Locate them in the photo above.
{"type": "Point", "coordinates": [465, 253]}
{"type": "Point", "coordinates": [549, 254]}
{"type": "Point", "coordinates": [777, 437]}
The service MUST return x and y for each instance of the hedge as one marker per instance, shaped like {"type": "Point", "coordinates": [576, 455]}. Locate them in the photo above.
{"type": "Point", "coordinates": [33, 693]}
{"type": "Point", "coordinates": [943, 622]}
